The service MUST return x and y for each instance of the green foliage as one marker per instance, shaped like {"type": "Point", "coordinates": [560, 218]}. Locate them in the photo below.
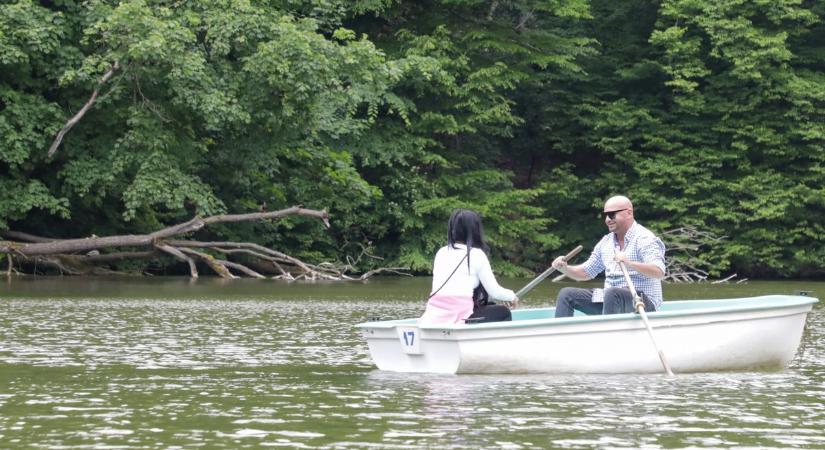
{"type": "Point", "coordinates": [391, 113]}
{"type": "Point", "coordinates": [19, 198]}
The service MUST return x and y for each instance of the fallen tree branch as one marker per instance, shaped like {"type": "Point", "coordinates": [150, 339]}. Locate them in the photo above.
{"type": "Point", "coordinates": [242, 268]}
{"type": "Point", "coordinates": [395, 270]}
{"type": "Point", "coordinates": [25, 237]}
{"type": "Point", "coordinates": [281, 272]}
{"type": "Point", "coordinates": [143, 240]}
{"type": "Point", "coordinates": [725, 280]}
{"type": "Point", "coordinates": [220, 266]}
{"type": "Point", "coordinates": [76, 118]}
{"type": "Point", "coordinates": [193, 270]}
{"type": "Point", "coordinates": [245, 245]}
{"type": "Point", "coordinates": [683, 245]}
{"type": "Point", "coordinates": [293, 211]}
{"type": "Point", "coordinates": [78, 256]}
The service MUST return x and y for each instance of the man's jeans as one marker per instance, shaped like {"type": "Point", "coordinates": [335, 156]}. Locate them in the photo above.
{"type": "Point", "coordinates": [616, 301]}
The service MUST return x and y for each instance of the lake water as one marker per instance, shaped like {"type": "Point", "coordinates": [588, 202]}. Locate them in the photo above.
{"type": "Point", "coordinates": [171, 363]}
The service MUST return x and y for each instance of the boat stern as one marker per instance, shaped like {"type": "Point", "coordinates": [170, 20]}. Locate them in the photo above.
{"type": "Point", "coordinates": [401, 346]}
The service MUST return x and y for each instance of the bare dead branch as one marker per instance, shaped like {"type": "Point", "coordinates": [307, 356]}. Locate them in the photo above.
{"type": "Point", "coordinates": [193, 270]}
{"type": "Point", "coordinates": [145, 101]}
{"type": "Point", "coordinates": [281, 257]}
{"type": "Point", "coordinates": [683, 245]}
{"type": "Point", "coordinates": [395, 270]}
{"type": "Point", "coordinates": [83, 253]}
{"type": "Point", "coordinates": [210, 261]}
{"type": "Point", "coordinates": [25, 237]}
{"type": "Point", "coordinates": [143, 240]}
{"type": "Point", "coordinates": [724, 280]}
{"type": "Point", "coordinates": [272, 260]}
{"type": "Point", "coordinates": [522, 23]}
{"type": "Point", "coordinates": [293, 211]}
{"type": "Point", "coordinates": [76, 118]}
{"type": "Point", "coordinates": [241, 267]}
{"type": "Point", "coordinates": [258, 255]}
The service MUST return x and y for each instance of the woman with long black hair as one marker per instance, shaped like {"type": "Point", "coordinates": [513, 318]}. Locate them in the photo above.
{"type": "Point", "coordinates": [460, 268]}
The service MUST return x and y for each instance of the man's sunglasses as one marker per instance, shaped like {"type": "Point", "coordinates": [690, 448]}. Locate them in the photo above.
{"type": "Point", "coordinates": [612, 214]}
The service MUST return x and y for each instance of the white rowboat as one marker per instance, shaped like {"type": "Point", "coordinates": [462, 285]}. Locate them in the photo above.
{"type": "Point", "coordinates": [696, 335]}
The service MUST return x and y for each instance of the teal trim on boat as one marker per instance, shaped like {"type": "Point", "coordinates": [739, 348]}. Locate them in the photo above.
{"type": "Point", "coordinates": [673, 308]}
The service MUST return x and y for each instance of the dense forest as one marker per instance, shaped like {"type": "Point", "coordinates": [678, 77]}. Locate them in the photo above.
{"type": "Point", "coordinates": [125, 117]}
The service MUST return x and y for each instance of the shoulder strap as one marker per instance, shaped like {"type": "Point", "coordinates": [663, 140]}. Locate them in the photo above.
{"type": "Point", "coordinates": [448, 278]}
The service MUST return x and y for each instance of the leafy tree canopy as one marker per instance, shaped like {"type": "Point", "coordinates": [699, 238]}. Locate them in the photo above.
{"type": "Point", "coordinates": [390, 113]}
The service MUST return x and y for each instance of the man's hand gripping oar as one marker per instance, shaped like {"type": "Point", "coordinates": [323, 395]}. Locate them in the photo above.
{"type": "Point", "coordinates": [541, 277]}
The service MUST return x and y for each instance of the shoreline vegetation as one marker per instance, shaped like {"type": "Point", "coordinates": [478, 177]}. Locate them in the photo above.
{"type": "Point", "coordinates": [121, 120]}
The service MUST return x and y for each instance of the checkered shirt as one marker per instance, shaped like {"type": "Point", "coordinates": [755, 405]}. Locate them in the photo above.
{"type": "Point", "coordinates": [640, 244]}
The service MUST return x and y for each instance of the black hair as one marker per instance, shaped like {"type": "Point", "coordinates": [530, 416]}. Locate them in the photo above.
{"type": "Point", "coordinates": [465, 226]}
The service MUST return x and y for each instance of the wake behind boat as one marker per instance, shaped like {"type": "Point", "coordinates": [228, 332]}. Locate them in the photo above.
{"type": "Point", "coordinates": [696, 335]}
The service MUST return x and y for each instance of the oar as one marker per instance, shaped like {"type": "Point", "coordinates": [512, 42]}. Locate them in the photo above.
{"type": "Point", "coordinates": [547, 272]}
{"type": "Point", "coordinates": [640, 307]}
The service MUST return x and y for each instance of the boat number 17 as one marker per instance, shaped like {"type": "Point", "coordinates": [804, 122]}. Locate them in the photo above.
{"type": "Point", "coordinates": [409, 339]}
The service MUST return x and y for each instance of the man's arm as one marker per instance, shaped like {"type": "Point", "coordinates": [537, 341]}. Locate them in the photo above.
{"type": "Point", "coordinates": [650, 270]}
{"type": "Point", "coordinates": [650, 250]}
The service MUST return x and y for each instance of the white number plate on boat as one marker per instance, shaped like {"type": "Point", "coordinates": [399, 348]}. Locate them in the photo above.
{"type": "Point", "coordinates": [410, 340]}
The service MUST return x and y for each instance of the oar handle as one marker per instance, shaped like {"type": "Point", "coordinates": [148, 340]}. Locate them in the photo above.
{"type": "Point", "coordinates": [546, 273]}
{"type": "Point", "coordinates": [573, 253]}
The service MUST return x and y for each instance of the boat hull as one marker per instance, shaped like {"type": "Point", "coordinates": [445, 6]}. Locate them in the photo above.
{"type": "Point", "coordinates": [696, 336]}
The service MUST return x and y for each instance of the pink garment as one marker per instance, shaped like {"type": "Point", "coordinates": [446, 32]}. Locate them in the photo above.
{"type": "Point", "coordinates": [447, 309]}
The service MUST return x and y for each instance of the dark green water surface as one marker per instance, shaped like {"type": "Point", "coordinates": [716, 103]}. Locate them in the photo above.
{"type": "Point", "coordinates": [170, 363]}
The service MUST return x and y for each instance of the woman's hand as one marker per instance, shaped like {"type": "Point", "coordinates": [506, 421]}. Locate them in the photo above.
{"type": "Point", "coordinates": [513, 304]}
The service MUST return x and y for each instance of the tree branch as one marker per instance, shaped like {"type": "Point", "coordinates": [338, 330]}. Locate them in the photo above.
{"type": "Point", "coordinates": [193, 270]}
{"type": "Point", "coordinates": [293, 211]}
{"type": "Point", "coordinates": [76, 118]}
{"type": "Point", "coordinates": [80, 254]}
{"type": "Point", "coordinates": [20, 236]}
{"type": "Point", "coordinates": [143, 240]}
{"type": "Point", "coordinates": [246, 245]}
{"type": "Point", "coordinates": [522, 24]}
{"type": "Point", "coordinates": [210, 261]}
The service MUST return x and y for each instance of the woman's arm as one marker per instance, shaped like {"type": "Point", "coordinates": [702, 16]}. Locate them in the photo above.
{"type": "Point", "coordinates": [488, 280]}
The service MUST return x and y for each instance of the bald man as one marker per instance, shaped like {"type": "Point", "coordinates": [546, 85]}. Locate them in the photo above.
{"type": "Point", "coordinates": [642, 253]}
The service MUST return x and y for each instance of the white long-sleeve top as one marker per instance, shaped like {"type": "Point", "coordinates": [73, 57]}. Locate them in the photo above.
{"type": "Point", "coordinates": [463, 280]}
